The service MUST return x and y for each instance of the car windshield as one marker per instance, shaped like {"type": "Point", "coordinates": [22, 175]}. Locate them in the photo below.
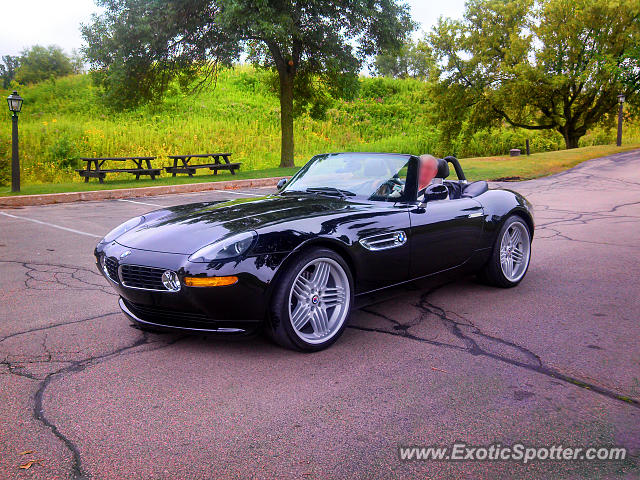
{"type": "Point", "coordinates": [374, 176]}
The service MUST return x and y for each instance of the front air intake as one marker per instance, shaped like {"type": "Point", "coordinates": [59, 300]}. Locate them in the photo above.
{"type": "Point", "coordinates": [142, 278]}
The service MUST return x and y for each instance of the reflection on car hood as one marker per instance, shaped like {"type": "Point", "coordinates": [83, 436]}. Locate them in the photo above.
{"type": "Point", "coordinates": [186, 228]}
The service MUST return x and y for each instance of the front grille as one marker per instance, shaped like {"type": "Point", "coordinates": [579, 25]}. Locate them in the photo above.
{"type": "Point", "coordinates": [164, 316]}
{"type": "Point", "coordinates": [111, 265]}
{"type": "Point", "coordinates": [147, 278]}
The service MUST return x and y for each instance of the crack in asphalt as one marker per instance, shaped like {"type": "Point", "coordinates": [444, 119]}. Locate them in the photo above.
{"type": "Point", "coordinates": [77, 470]}
{"type": "Point", "coordinates": [558, 234]}
{"type": "Point", "coordinates": [72, 367]}
{"type": "Point", "coordinates": [586, 217]}
{"type": "Point", "coordinates": [48, 276]}
{"type": "Point", "coordinates": [54, 325]}
{"type": "Point", "coordinates": [463, 329]}
{"type": "Point", "coordinates": [583, 218]}
{"type": "Point", "coordinates": [573, 217]}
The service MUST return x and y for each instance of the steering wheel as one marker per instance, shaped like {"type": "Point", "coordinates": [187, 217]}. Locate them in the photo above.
{"type": "Point", "coordinates": [387, 188]}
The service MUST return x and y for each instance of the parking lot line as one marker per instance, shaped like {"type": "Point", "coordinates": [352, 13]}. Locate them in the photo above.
{"type": "Point", "coordinates": [51, 225]}
{"type": "Point", "coordinates": [238, 193]}
{"type": "Point", "coordinates": [141, 203]}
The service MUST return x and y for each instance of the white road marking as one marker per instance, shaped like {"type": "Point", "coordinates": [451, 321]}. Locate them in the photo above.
{"type": "Point", "coordinates": [238, 193]}
{"type": "Point", "coordinates": [140, 203]}
{"type": "Point", "coordinates": [51, 225]}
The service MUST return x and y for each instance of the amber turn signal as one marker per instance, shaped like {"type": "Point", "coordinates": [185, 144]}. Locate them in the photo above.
{"type": "Point", "coordinates": [209, 281]}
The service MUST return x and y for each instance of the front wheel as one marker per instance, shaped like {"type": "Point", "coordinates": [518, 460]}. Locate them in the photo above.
{"type": "Point", "coordinates": [511, 254]}
{"type": "Point", "coordinates": [311, 302]}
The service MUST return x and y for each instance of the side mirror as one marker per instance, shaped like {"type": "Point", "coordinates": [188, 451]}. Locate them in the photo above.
{"type": "Point", "coordinates": [436, 192]}
{"type": "Point", "coordinates": [281, 183]}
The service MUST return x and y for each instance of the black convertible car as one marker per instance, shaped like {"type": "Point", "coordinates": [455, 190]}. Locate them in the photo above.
{"type": "Point", "coordinates": [346, 226]}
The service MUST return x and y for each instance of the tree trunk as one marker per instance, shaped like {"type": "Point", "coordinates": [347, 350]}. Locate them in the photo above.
{"type": "Point", "coordinates": [286, 118]}
{"type": "Point", "coordinates": [571, 137]}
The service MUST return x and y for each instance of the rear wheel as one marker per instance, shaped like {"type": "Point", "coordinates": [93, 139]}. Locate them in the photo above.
{"type": "Point", "coordinates": [311, 303]}
{"type": "Point", "coordinates": [511, 254]}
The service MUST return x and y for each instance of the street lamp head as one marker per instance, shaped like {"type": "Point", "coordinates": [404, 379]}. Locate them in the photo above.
{"type": "Point", "coordinates": [621, 98]}
{"type": "Point", "coordinates": [15, 102]}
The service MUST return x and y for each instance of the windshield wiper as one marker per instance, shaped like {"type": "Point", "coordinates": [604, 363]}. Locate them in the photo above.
{"type": "Point", "coordinates": [331, 190]}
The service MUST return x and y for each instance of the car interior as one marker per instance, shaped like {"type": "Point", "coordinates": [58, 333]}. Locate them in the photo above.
{"type": "Point", "coordinates": [460, 188]}
{"type": "Point", "coordinates": [393, 188]}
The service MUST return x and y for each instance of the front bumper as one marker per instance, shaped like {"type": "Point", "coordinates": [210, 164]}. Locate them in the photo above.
{"type": "Point", "coordinates": [180, 323]}
{"type": "Point", "coordinates": [213, 309]}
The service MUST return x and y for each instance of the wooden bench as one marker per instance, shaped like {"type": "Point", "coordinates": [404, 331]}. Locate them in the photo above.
{"type": "Point", "coordinates": [186, 167]}
{"type": "Point", "coordinates": [94, 167]}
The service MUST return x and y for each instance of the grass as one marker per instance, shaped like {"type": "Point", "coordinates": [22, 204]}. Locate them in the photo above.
{"type": "Point", "coordinates": [489, 168]}
{"type": "Point", "coordinates": [537, 164]}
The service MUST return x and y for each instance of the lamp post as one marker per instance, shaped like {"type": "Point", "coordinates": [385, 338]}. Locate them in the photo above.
{"type": "Point", "coordinates": [15, 105]}
{"type": "Point", "coordinates": [621, 102]}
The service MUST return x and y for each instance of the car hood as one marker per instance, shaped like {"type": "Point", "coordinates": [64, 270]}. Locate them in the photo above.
{"type": "Point", "coordinates": [184, 229]}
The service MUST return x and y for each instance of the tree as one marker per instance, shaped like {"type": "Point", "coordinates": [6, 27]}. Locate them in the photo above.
{"type": "Point", "coordinates": [43, 63]}
{"type": "Point", "coordinates": [77, 62]}
{"type": "Point", "coordinates": [410, 60]}
{"type": "Point", "coordinates": [144, 44]}
{"type": "Point", "coordinates": [539, 64]}
{"type": "Point", "coordinates": [8, 69]}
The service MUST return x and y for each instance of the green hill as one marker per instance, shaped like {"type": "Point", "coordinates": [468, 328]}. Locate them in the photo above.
{"type": "Point", "coordinates": [66, 119]}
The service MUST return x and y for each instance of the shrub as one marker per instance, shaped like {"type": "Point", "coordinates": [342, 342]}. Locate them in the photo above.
{"type": "Point", "coordinates": [378, 87]}
{"type": "Point", "coordinates": [64, 152]}
{"type": "Point", "coordinates": [5, 163]}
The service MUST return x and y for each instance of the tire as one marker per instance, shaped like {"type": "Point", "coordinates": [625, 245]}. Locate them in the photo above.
{"type": "Point", "coordinates": [311, 303]}
{"type": "Point", "coordinates": [512, 246]}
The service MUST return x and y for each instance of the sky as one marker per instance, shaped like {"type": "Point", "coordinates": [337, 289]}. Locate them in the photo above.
{"type": "Point", "coordinates": [57, 22]}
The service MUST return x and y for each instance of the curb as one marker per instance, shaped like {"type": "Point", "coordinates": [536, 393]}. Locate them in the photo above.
{"type": "Point", "coordinates": [51, 198]}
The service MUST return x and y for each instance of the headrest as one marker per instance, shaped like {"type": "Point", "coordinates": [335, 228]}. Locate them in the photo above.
{"type": "Point", "coordinates": [443, 168]}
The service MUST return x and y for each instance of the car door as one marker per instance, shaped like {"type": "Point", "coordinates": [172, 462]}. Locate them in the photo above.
{"type": "Point", "coordinates": [444, 234]}
{"type": "Point", "coordinates": [382, 253]}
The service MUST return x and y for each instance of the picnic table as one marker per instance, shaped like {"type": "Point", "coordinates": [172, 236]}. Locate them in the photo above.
{"type": "Point", "coordinates": [94, 167]}
{"type": "Point", "coordinates": [190, 168]}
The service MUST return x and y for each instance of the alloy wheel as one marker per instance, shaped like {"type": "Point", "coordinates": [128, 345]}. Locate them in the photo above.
{"type": "Point", "coordinates": [515, 249]}
{"type": "Point", "coordinates": [319, 300]}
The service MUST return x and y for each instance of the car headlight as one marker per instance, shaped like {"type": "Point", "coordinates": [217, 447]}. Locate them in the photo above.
{"type": "Point", "coordinates": [230, 247]}
{"type": "Point", "coordinates": [121, 229]}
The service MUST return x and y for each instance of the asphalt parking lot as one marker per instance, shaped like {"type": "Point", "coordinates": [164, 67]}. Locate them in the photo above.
{"type": "Point", "coordinates": [554, 361]}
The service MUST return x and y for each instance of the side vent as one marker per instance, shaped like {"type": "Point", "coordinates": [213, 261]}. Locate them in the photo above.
{"type": "Point", "coordinates": [384, 241]}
